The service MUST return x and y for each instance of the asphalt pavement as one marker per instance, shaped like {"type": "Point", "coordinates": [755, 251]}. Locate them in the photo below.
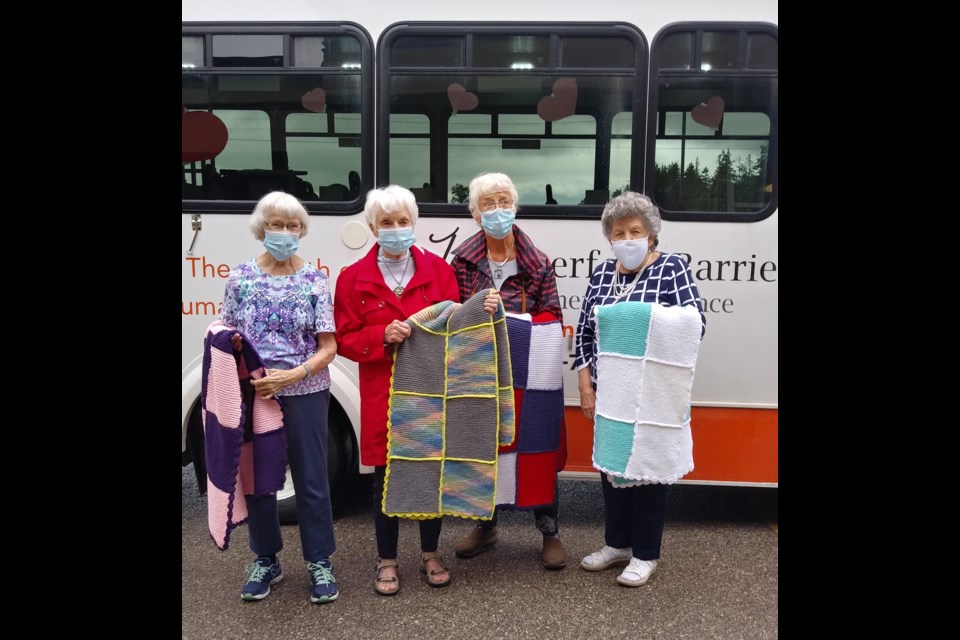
{"type": "Point", "coordinates": [717, 577]}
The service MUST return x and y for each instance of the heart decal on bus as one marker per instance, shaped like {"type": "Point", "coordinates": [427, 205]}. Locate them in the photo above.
{"type": "Point", "coordinates": [461, 99]}
{"type": "Point", "coordinates": [560, 104]}
{"type": "Point", "coordinates": [203, 135]}
{"type": "Point", "coordinates": [315, 100]}
{"type": "Point", "coordinates": [710, 114]}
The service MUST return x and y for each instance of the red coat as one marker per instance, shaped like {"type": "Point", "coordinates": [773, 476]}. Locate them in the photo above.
{"type": "Point", "coordinates": [362, 309]}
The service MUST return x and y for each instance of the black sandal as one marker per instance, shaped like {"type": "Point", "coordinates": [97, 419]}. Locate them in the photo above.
{"type": "Point", "coordinates": [424, 559]}
{"type": "Point", "coordinates": [386, 564]}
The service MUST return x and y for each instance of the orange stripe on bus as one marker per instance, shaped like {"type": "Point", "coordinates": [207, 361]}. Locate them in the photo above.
{"type": "Point", "coordinates": [729, 445]}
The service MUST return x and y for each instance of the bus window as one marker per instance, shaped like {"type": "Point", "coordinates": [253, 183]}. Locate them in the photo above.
{"type": "Point", "coordinates": [276, 111]}
{"type": "Point", "coordinates": [714, 105]}
{"type": "Point", "coordinates": [547, 104]}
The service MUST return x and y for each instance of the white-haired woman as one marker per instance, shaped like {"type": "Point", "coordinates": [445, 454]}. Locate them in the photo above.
{"type": "Point", "coordinates": [503, 257]}
{"type": "Point", "coordinates": [634, 515]}
{"type": "Point", "coordinates": [281, 304]}
{"type": "Point", "coordinates": [374, 297]}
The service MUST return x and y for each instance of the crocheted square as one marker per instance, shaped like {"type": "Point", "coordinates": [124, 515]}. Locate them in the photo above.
{"type": "Point", "coordinates": [508, 427]}
{"type": "Point", "coordinates": [656, 453]}
{"type": "Point", "coordinates": [612, 444]}
{"type": "Point", "coordinates": [669, 337]}
{"type": "Point", "coordinates": [619, 400]}
{"type": "Point", "coordinates": [504, 356]}
{"type": "Point", "coordinates": [416, 426]}
{"type": "Point", "coordinates": [543, 371]}
{"type": "Point", "coordinates": [428, 377]}
{"type": "Point", "coordinates": [471, 429]}
{"type": "Point", "coordinates": [660, 387]}
{"type": "Point", "coordinates": [468, 489]}
{"type": "Point", "coordinates": [470, 354]}
{"type": "Point", "coordinates": [518, 331]}
{"type": "Point", "coordinates": [536, 479]}
{"type": "Point", "coordinates": [414, 488]}
{"type": "Point", "coordinates": [541, 413]}
{"type": "Point", "coordinates": [622, 328]}
{"type": "Point", "coordinates": [472, 315]}
{"type": "Point", "coordinates": [507, 478]}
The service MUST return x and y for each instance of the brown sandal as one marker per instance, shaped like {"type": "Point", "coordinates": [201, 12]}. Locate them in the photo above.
{"type": "Point", "coordinates": [427, 557]}
{"type": "Point", "coordinates": [392, 580]}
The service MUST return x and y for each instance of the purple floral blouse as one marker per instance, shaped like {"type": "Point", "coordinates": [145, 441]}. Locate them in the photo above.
{"type": "Point", "coordinates": [281, 317]}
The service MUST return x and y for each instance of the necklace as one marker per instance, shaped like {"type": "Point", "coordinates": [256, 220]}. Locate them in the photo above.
{"type": "Point", "coordinates": [398, 290]}
{"type": "Point", "coordinates": [498, 271]}
{"type": "Point", "coordinates": [622, 289]}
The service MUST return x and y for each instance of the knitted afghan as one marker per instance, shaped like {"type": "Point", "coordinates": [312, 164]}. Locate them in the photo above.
{"type": "Point", "coordinates": [451, 405]}
{"type": "Point", "coordinates": [527, 469]}
{"type": "Point", "coordinates": [245, 440]}
{"type": "Point", "coordinates": [645, 365]}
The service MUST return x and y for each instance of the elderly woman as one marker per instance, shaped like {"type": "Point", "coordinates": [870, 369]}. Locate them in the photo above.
{"type": "Point", "coordinates": [373, 298]}
{"type": "Point", "coordinates": [281, 304]}
{"type": "Point", "coordinates": [503, 257]}
{"type": "Point", "coordinates": [639, 273]}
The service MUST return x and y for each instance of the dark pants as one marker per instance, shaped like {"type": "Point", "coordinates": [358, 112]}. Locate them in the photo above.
{"type": "Point", "coordinates": [305, 422]}
{"type": "Point", "coordinates": [388, 527]}
{"type": "Point", "coordinates": [546, 519]}
{"type": "Point", "coordinates": [635, 517]}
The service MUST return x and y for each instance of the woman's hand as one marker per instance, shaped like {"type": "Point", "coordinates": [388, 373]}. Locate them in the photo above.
{"type": "Point", "coordinates": [396, 332]}
{"type": "Point", "coordinates": [237, 341]}
{"type": "Point", "coordinates": [277, 380]}
{"type": "Point", "coordinates": [588, 397]}
{"type": "Point", "coordinates": [492, 302]}
{"type": "Point", "coordinates": [588, 402]}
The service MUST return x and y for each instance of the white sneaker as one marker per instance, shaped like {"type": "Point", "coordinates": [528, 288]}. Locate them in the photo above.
{"type": "Point", "coordinates": [637, 572]}
{"type": "Point", "coordinates": [606, 558]}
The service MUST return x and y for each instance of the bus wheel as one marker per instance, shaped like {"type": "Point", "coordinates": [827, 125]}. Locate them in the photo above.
{"type": "Point", "coordinates": [341, 465]}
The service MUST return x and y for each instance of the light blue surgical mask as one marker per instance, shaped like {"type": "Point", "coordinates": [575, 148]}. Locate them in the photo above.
{"type": "Point", "coordinates": [396, 241]}
{"type": "Point", "coordinates": [281, 245]}
{"type": "Point", "coordinates": [498, 222]}
{"type": "Point", "coordinates": [630, 253]}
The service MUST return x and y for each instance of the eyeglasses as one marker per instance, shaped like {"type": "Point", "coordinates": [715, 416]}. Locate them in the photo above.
{"type": "Point", "coordinates": [292, 227]}
{"type": "Point", "coordinates": [490, 205]}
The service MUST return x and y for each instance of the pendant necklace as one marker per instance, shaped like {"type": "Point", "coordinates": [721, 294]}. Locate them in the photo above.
{"type": "Point", "coordinates": [498, 271]}
{"type": "Point", "coordinates": [398, 290]}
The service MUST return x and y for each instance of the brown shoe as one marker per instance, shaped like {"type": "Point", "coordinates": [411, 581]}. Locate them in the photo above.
{"type": "Point", "coordinates": [554, 555]}
{"type": "Point", "coordinates": [475, 542]}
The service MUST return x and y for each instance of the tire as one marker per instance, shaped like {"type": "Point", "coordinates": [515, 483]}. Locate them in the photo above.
{"type": "Point", "coordinates": [342, 457]}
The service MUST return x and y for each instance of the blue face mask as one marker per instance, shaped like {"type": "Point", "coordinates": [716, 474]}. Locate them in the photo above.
{"type": "Point", "coordinates": [498, 222]}
{"type": "Point", "coordinates": [281, 245]}
{"type": "Point", "coordinates": [396, 241]}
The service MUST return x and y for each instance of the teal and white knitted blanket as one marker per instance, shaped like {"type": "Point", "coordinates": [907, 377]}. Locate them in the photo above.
{"type": "Point", "coordinates": [451, 406]}
{"type": "Point", "coordinates": [645, 365]}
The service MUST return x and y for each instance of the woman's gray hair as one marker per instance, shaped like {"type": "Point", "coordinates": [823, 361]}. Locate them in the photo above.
{"type": "Point", "coordinates": [278, 202]}
{"type": "Point", "coordinates": [630, 204]}
{"type": "Point", "coordinates": [490, 183]}
{"type": "Point", "coordinates": [390, 200]}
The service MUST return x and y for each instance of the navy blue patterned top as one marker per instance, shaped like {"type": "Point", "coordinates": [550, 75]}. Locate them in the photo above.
{"type": "Point", "coordinates": [667, 281]}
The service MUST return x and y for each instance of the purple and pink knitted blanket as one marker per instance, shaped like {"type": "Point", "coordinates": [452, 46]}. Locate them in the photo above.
{"type": "Point", "coordinates": [246, 446]}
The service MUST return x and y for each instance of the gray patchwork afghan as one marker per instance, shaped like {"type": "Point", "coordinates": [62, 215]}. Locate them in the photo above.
{"type": "Point", "coordinates": [451, 406]}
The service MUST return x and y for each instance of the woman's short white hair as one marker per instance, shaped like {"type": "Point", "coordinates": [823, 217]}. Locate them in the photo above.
{"type": "Point", "coordinates": [278, 202]}
{"type": "Point", "coordinates": [631, 204]}
{"type": "Point", "coordinates": [390, 199]}
{"type": "Point", "coordinates": [490, 183]}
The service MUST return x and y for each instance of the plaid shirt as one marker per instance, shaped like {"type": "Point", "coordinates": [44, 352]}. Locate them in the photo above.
{"type": "Point", "coordinates": [535, 275]}
{"type": "Point", "coordinates": [667, 281]}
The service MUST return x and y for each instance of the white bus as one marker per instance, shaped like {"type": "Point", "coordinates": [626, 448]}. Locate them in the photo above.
{"type": "Point", "coordinates": [678, 100]}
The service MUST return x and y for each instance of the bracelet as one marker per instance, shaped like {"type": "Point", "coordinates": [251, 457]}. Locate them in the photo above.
{"type": "Point", "coordinates": [307, 370]}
